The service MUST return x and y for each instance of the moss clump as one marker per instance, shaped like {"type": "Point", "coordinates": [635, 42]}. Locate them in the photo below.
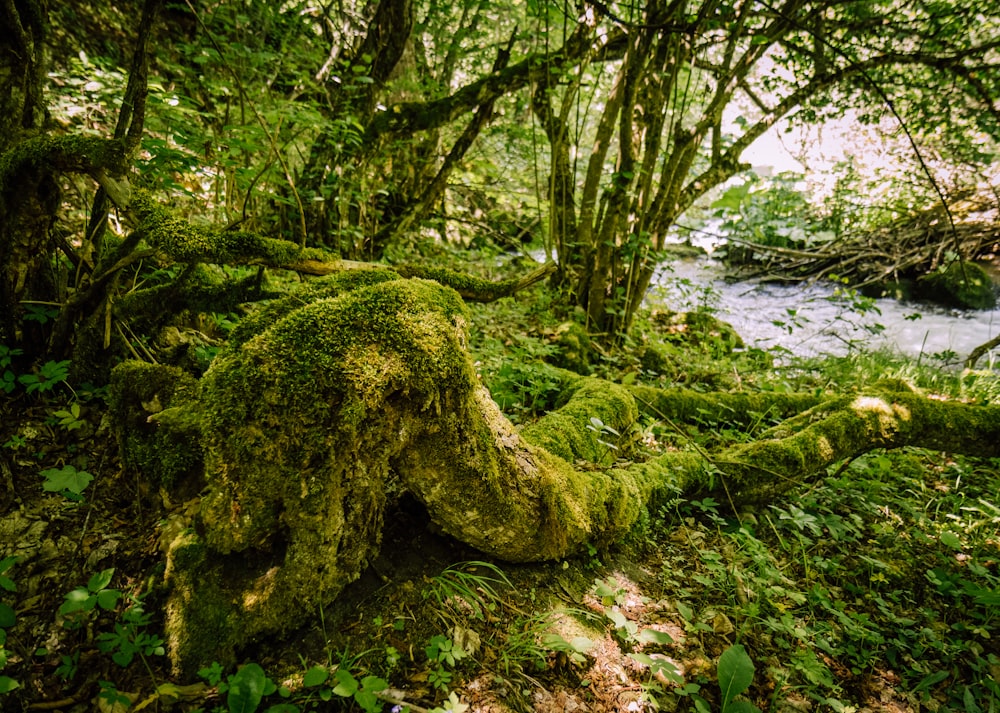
{"type": "Point", "coordinates": [743, 408]}
{"type": "Point", "coordinates": [73, 153]}
{"type": "Point", "coordinates": [301, 419]}
{"type": "Point", "coordinates": [464, 284]}
{"type": "Point", "coordinates": [575, 350]}
{"type": "Point", "coordinates": [325, 287]}
{"type": "Point", "coordinates": [699, 330]}
{"type": "Point", "coordinates": [594, 425]}
{"type": "Point", "coordinates": [964, 285]}
{"type": "Point", "coordinates": [199, 612]}
{"type": "Point", "coordinates": [156, 426]}
{"type": "Point", "coordinates": [183, 242]}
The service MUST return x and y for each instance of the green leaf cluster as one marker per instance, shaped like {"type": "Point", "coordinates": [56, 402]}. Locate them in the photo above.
{"type": "Point", "coordinates": [8, 617]}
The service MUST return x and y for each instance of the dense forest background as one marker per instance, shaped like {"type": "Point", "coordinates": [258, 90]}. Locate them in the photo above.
{"type": "Point", "coordinates": [166, 167]}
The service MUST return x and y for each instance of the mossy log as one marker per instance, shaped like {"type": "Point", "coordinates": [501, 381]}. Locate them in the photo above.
{"type": "Point", "coordinates": [328, 404]}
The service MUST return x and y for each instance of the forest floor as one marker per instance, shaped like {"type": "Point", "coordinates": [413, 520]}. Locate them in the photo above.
{"type": "Point", "coordinates": [874, 589]}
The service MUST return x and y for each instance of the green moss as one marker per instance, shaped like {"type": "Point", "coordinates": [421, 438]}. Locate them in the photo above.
{"type": "Point", "coordinates": [156, 423]}
{"type": "Point", "coordinates": [965, 285]}
{"type": "Point", "coordinates": [575, 350]}
{"type": "Point", "coordinates": [198, 289]}
{"type": "Point", "coordinates": [300, 423]}
{"type": "Point", "coordinates": [576, 430]}
{"type": "Point", "coordinates": [71, 153]}
{"type": "Point", "coordinates": [697, 330]}
{"type": "Point", "coordinates": [184, 242]}
{"type": "Point", "coordinates": [464, 284]}
{"type": "Point", "coordinates": [200, 623]}
{"type": "Point", "coordinates": [320, 288]}
{"type": "Point", "coordinates": [689, 406]}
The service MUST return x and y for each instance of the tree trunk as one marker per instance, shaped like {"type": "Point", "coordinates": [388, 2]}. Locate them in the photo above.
{"type": "Point", "coordinates": [28, 203]}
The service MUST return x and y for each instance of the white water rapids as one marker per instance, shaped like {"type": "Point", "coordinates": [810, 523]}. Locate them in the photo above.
{"type": "Point", "coordinates": [818, 324]}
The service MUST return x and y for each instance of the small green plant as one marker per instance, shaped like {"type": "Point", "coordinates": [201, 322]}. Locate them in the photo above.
{"type": "Point", "coordinates": [43, 314]}
{"type": "Point", "coordinates": [364, 692]}
{"type": "Point", "coordinates": [16, 442]}
{"type": "Point", "coordinates": [8, 617]}
{"type": "Point", "coordinates": [244, 689]}
{"type": "Point", "coordinates": [80, 603]}
{"type": "Point", "coordinates": [576, 649]}
{"type": "Point", "coordinates": [604, 431]}
{"type": "Point", "coordinates": [8, 379]}
{"type": "Point", "coordinates": [440, 678]}
{"type": "Point", "coordinates": [608, 591]}
{"type": "Point", "coordinates": [441, 649]}
{"type": "Point", "coordinates": [247, 687]}
{"type": "Point", "coordinates": [69, 417]}
{"type": "Point", "coordinates": [463, 589]}
{"type": "Point", "coordinates": [113, 698]}
{"type": "Point", "coordinates": [735, 676]}
{"type": "Point", "coordinates": [67, 480]}
{"type": "Point", "coordinates": [128, 638]}
{"type": "Point", "coordinates": [68, 666]}
{"type": "Point", "coordinates": [46, 378]}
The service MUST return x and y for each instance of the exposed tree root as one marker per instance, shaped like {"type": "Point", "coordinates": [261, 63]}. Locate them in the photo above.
{"type": "Point", "coordinates": [331, 402]}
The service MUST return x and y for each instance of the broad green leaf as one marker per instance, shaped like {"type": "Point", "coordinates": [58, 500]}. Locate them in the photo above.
{"type": "Point", "coordinates": [66, 478]}
{"type": "Point", "coordinates": [7, 562]}
{"type": "Point", "coordinates": [107, 599]}
{"type": "Point", "coordinates": [368, 701]}
{"type": "Point", "coordinates": [374, 683]}
{"type": "Point", "coordinates": [686, 612]}
{"type": "Point", "coordinates": [75, 601]}
{"type": "Point", "coordinates": [652, 636]}
{"type": "Point", "coordinates": [246, 689]}
{"type": "Point", "coordinates": [8, 684]}
{"type": "Point", "coordinates": [659, 666]}
{"type": "Point", "coordinates": [735, 673]}
{"type": "Point", "coordinates": [617, 618]}
{"type": "Point", "coordinates": [969, 699]}
{"type": "Point", "coordinates": [931, 680]}
{"type": "Point", "coordinates": [741, 707]}
{"type": "Point", "coordinates": [732, 199]}
{"type": "Point", "coordinates": [347, 685]}
{"type": "Point", "coordinates": [101, 580]}
{"type": "Point", "coordinates": [315, 676]}
{"type": "Point", "coordinates": [7, 616]}
{"type": "Point", "coordinates": [950, 539]}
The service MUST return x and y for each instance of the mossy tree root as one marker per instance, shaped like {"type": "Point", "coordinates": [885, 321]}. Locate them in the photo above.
{"type": "Point", "coordinates": [314, 418]}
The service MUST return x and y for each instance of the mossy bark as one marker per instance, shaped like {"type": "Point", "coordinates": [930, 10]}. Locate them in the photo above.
{"type": "Point", "coordinates": [330, 403]}
{"type": "Point", "coordinates": [156, 431]}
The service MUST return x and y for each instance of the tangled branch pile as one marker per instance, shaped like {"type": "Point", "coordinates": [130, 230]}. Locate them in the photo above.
{"type": "Point", "coordinates": [904, 249]}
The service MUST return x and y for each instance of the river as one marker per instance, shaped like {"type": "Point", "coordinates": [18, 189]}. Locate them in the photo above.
{"type": "Point", "coordinates": [807, 319]}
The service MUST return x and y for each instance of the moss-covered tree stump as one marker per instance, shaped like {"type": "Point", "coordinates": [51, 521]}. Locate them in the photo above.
{"type": "Point", "coordinates": [329, 403]}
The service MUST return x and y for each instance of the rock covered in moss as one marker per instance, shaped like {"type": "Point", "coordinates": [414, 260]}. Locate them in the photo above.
{"type": "Point", "coordinates": [702, 330]}
{"type": "Point", "coordinates": [574, 350]}
{"type": "Point", "coordinates": [962, 284]}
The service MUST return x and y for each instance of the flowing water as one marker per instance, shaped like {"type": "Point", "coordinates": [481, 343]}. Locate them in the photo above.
{"type": "Point", "coordinates": [809, 319]}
